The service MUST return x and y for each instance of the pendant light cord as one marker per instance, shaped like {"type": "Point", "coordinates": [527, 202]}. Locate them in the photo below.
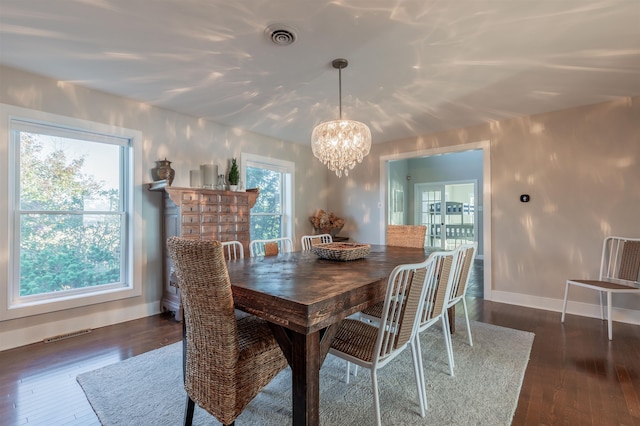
{"type": "Point", "coordinates": [340, 89]}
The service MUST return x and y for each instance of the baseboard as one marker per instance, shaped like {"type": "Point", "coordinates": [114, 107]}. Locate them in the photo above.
{"type": "Point", "coordinates": [37, 333]}
{"type": "Point", "coordinates": [628, 316]}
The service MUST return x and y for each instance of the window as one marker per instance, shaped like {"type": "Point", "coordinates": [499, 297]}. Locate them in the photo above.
{"type": "Point", "coordinates": [272, 215]}
{"type": "Point", "coordinates": [71, 210]}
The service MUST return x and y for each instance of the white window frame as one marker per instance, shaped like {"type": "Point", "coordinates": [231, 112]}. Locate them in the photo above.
{"type": "Point", "coordinates": [15, 307]}
{"type": "Point", "coordinates": [284, 166]}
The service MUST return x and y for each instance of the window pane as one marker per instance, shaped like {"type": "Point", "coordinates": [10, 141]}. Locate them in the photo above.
{"type": "Point", "coordinates": [270, 184]}
{"type": "Point", "coordinates": [63, 174]}
{"type": "Point", "coordinates": [265, 227]}
{"type": "Point", "coordinates": [63, 252]}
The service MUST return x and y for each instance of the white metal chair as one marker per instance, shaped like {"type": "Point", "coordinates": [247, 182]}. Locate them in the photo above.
{"type": "Point", "coordinates": [270, 247]}
{"type": "Point", "coordinates": [465, 254]}
{"type": "Point", "coordinates": [372, 346]}
{"type": "Point", "coordinates": [309, 241]}
{"type": "Point", "coordinates": [437, 298]}
{"type": "Point", "coordinates": [619, 273]}
{"type": "Point", "coordinates": [233, 250]}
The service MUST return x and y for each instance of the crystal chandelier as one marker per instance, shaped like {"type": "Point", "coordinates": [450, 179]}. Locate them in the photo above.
{"type": "Point", "coordinates": [341, 144]}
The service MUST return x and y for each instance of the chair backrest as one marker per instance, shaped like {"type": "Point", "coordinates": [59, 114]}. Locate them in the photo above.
{"type": "Point", "coordinates": [621, 260]}
{"type": "Point", "coordinates": [233, 250]}
{"type": "Point", "coordinates": [309, 241]}
{"type": "Point", "coordinates": [406, 235]}
{"type": "Point", "coordinates": [403, 303]}
{"type": "Point", "coordinates": [270, 247]}
{"type": "Point", "coordinates": [437, 294]}
{"type": "Point", "coordinates": [211, 329]}
{"type": "Point", "coordinates": [465, 254]}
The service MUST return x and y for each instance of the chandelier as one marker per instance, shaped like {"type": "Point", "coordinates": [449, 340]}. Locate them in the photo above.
{"type": "Point", "coordinates": [341, 144]}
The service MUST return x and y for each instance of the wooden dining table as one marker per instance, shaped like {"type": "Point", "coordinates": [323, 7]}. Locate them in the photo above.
{"type": "Point", "coordinates": [303, 298]}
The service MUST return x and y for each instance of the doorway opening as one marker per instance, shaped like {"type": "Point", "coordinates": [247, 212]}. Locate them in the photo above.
{"type": "Point", "coordinates": [401, 200]}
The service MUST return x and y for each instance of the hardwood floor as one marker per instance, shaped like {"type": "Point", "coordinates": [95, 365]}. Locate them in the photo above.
{"type": "Point", "coordinates": [575, 376]}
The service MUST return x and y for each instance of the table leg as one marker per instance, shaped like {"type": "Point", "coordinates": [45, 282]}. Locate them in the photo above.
{"type": "Point", "coordinates": [305, 368]}
{"type": "Point", "coordinates": [451, 313]}
{"type": "Point", "coordinates": [305, 354]}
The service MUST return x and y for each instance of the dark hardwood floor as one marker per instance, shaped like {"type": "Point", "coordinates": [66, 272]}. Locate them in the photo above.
{"type": "Point", "coordinates": [575, 376]}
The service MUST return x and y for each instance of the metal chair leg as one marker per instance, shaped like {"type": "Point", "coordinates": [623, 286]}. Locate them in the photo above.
{"type": "Point", "coordinates": [188, 412]}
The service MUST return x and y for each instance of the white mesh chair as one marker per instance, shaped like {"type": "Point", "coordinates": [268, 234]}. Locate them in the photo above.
{"type": "Point", "coordinates": [437, 298]}
{"type": "Point", "coordinates": [309, 241]}
{"type": "Point", "coordinates": [233, 250]}
{"type": "Point", "coordinates": [372, 346]}
{"type": "Point", "coordinates": [270, 247]}
{"type": "Point", "coordinates": [465, 254]}
{"type": "Point", "coordinates": [619, 273]}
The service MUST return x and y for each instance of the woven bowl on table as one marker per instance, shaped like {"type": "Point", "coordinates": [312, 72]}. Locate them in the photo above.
{"type": "Point", "coordinates": [341, 251]}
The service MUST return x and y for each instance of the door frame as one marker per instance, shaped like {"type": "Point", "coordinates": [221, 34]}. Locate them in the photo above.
{"type": "Point", "coordinates": [485, 146]}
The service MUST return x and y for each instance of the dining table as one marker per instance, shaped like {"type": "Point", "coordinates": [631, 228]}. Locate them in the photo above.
{"type": "Point", "coordinates": [303, 298]}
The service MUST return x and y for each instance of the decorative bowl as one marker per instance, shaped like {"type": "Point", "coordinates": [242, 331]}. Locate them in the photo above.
{"type": "Point", "coordinates": [341, 251]}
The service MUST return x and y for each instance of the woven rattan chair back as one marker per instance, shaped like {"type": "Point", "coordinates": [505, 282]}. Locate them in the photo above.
{"type": "Point", "coordinates": [270, 247]}
{"type": "Point", "coordinates": [308, 241]}
{"type": "Point", "coordinates": [619, 274]}
{"type": "Point", "coordinates": [228, 361]}
{"type": "Point", "coordinates": [406, 235]}
{"type": "Point", "coordinates": [373, 346]}
{"type": "Point", "coordinates": [436, 298]}
{"type": "Point", "coordinates": [465, 255]}
{"type": "Point", "coordinates": [233, 250]}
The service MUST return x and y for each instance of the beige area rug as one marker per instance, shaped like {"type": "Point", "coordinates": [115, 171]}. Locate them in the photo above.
{"type": "Point", "coordinates": [147, 389]}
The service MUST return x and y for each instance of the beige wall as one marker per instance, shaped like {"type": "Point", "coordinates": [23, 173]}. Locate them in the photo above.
{"type": "Point", "coordinates": [582, 169]}
{"type": "Point", "coordinates": [580, 166]}
{"type": "Point", "coordinates": [186, 141]}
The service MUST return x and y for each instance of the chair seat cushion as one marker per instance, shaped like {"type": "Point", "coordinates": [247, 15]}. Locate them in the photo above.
{"type": "Point", "coordinates": [355, 338]}
{"type": "Point", "coordinates": [374, 311]}
{"type": "Point", "coordinates": [603, 285]}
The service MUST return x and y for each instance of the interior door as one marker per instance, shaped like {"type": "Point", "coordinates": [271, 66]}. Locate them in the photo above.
{"type": "Point", "coordinates": [429, 200]}
{"type": "Point", "coordinates": [448, 211]}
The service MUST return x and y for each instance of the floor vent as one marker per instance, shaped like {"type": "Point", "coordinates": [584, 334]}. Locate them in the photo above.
{"type": "Point", "coordinates": [66, 336]}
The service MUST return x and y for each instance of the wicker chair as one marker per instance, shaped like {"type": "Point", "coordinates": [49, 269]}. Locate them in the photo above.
{"type": "Point", "coordinates": [374, 347]}
{"type": "Point", "coordinates": [309, 241]}
{"type": "Point", "coordinates": [227, 361]}
{"type": "Point", "coordinates": [406, 235]}
{"type": "Point", "coordinates": [619, 273]}
{"type": "Point", "coordinates": [465, 254]}
{"type": "Point", "coordinates": [270, 247]}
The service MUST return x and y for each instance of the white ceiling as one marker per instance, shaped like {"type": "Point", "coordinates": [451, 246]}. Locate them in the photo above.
{"type": "Point", "coordinates": [415, 66]}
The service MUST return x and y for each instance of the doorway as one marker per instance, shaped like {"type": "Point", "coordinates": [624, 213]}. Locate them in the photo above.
{"type": "Point", "coordinates": [400, 174]}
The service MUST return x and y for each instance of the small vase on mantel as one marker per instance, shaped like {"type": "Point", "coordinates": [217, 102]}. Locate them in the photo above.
{"type": "Point", "coordinates": [163, 171]}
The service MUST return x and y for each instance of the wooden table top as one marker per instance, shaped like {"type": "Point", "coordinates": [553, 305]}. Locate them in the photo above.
{"type": "Point", "coordinates": [304, 293]}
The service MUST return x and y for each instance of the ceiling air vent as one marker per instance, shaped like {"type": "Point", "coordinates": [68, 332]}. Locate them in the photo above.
{"type": "Point", "coordinates": [282, 35]}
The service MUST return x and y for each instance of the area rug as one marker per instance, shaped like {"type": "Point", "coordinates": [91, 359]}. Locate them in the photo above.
{"type": "Point", "coordinates": [147, 389]}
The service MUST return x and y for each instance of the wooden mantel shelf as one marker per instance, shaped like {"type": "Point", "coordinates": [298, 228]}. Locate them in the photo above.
{"type": "Point", "coordinates": [175, 191]}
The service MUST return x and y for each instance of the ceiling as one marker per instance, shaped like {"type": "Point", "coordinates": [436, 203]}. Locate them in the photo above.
{"type": "Point", "coordinates": [415, 66]}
